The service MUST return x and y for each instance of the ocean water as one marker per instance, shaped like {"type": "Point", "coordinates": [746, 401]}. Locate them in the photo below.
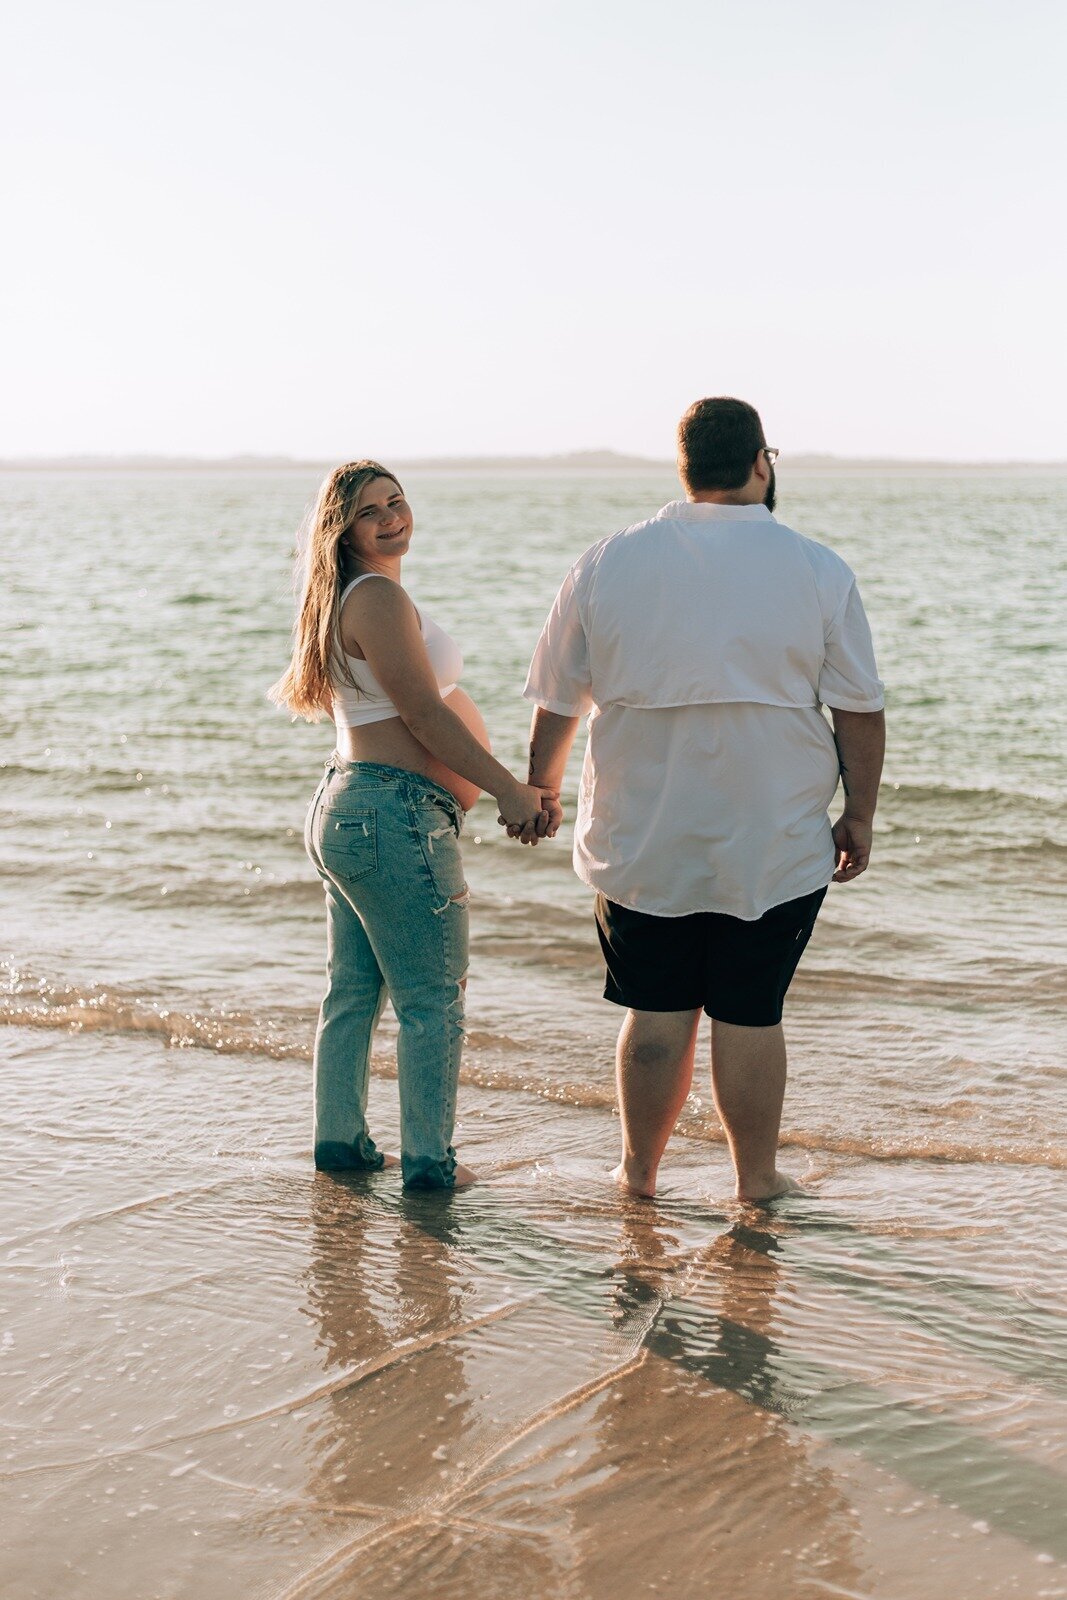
{"type": "Point", "coordinates": [889, 1347]}
{"type": "Point", "coordinates": [153, 800]}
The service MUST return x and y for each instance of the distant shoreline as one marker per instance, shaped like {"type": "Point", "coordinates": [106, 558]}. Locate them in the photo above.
{"type": "Point", "coordinates": [599, 461]}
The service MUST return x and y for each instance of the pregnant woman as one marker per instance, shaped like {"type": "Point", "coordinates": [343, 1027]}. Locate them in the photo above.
{"type": "Point", "coordinates": [383, 829]}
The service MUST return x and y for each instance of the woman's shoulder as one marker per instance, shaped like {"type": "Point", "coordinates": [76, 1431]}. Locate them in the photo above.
{"type": "Point", "coordinates": [370, 592]}
{"type": "Point", "coordinates": [372, 609]}
{"type": "Point", "coordinates": [360, 581]}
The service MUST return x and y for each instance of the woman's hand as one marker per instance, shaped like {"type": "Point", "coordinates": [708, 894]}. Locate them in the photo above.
{"type": "Point", "coordinates": [548, 823]}
{"type": "Point", "coordinates": [522, 813]}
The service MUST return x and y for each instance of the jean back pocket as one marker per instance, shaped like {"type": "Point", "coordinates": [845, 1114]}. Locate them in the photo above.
{"type": "Point", "coordinates": [348, 841]}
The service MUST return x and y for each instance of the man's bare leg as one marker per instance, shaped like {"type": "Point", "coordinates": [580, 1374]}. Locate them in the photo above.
{"type": "Point", "coordinates": [748, 1080]}
{"type": "Point", "coordinates": [654, 1069]}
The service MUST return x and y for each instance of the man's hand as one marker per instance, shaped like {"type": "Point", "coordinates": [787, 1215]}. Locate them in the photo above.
{"type": "Point", "coordinates": [522, 813]}
{"type": "Point", "coordinates": [852, 841]}
{"type": "Point", "coordinates": [547, 824]}
{"type": "Point", "coordinates": [552, 810]}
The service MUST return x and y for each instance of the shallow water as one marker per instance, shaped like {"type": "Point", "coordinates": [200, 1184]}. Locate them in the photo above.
{"type": "Point", "coordinates": [226, 1375]}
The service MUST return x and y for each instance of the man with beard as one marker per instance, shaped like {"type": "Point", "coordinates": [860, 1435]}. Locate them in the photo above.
{"type": "Point", "coordinates": [705, 643]}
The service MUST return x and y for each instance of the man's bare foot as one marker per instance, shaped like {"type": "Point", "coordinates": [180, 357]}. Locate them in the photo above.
{"type": "Point", "coordinates": [388, 1161]}
{"type": "Point", "coordinates": [772, 1189]}
{"type": "Point", "coordinates": [636, 1181]}
{"type": "Point", "coordinates": [464, 1177]}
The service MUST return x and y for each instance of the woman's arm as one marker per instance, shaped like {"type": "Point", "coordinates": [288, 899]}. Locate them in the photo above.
{"type": "Point", "coordinates": [381, 618]}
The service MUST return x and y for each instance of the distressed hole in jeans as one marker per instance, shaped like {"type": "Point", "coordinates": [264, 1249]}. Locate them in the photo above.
{"type": "Point", "coordinates": [462, 899]}
{"type": "Point", "coordinates": [438, 833]}
{"type": "Point", "coordinates": [457, 1007]}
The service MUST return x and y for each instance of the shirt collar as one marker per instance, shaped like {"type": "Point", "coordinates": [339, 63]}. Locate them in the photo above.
{"type": "Point", "coordinates": [711, 511]}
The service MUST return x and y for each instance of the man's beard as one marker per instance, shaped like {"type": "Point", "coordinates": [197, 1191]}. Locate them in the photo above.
{"type": "Point", "coordinates": [769, 496]}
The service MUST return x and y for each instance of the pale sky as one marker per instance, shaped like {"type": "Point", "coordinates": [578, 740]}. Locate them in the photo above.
{"type": "Point", "coordinates": [432, 227]}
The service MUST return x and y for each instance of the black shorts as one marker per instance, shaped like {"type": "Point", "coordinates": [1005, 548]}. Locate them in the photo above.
{"type": "Point", "coordinates": [737, 971]}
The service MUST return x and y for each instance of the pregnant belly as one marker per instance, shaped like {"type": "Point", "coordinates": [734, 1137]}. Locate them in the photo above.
{"type": "Point", "coordinates": [461, 703]}
{"type": "Point", "coordinates": [391, 742]}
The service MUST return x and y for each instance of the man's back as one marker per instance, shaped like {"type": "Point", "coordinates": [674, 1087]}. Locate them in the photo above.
{"type": "Point", "coordinates": [704, 641]}
{"type": "Point", "coordinates": [705, 604]}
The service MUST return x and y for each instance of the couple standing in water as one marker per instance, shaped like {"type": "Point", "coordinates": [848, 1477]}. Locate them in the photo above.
{"type": "Point", "coordinates": [702, 644]}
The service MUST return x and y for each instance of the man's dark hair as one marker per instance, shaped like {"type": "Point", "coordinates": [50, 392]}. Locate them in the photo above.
{"type": "Point", "coordinates": [718, 442]}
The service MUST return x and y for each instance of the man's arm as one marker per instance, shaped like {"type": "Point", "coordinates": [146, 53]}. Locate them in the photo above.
{"type": "Point", "coordinates": [551, 737]}
{"type": "Point", "coordinates": [559, 676]}
{"type": "Point", "coordinates": [860, 740]}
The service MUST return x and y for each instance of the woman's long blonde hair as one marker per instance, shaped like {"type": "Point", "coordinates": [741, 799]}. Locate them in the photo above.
{"type": "Point", "coordinates": [323, 566]}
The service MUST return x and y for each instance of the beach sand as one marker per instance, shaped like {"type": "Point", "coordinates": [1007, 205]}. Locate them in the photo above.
{"type": "Point", "coordinates": [225, 1375]}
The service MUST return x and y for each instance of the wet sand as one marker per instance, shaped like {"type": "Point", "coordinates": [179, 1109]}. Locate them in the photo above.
{"type": "Point", "coordinates": [225, 1375]}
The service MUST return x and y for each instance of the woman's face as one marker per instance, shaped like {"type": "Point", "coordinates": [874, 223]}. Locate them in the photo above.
{"type": "Point", "coordinates": [381, 523]}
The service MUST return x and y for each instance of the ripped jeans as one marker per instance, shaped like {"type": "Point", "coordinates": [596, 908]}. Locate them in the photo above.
{"type": "Point", "coordinates": [385, 842]}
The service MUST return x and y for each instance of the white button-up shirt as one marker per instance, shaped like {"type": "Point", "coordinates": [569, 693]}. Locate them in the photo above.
{"type": "Point", "coordinates": [704, 642]}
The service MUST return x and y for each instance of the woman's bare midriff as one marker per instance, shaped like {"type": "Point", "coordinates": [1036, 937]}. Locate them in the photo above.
{"type": "Point", "coordinates": [394, 745]}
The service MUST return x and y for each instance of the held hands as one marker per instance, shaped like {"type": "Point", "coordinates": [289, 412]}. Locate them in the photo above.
{"type": "Point", "coordinates": [552, 810]}
{"type": "Point", "coordinates": [529, 813]}
{"type": "Point", "coordinates": [852, 844]}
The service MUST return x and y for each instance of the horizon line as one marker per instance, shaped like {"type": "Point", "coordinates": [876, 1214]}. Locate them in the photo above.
{"type": "Point", "coordinates": [572, 459]}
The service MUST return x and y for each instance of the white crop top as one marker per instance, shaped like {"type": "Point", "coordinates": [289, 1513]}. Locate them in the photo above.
{"type": "Point", "coordinates": [370, 703]}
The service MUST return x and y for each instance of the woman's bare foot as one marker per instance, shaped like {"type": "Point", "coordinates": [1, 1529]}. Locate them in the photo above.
{"type": "Point", "coordinates": [771, 1189]}
{"type": "Point", "coordinates": [388, 1161]}
{"type": "Point", "coordinates": [636, 1181]}
{"type": "Point", "coordinates": [464, 1177]}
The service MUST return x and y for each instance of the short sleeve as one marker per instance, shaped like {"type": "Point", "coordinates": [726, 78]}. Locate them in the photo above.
{"type": "Point", "coordinates": [849, 678]}
{"type": "Point", "coordinates": [559, 679]}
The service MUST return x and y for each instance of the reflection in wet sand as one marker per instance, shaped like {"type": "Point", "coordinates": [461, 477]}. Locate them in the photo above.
{"type": "Point", "coordinates": [228, 1377]}
{"type": "Point", "coordinates": [694, 1460]}
{"type": "Point", "coordinates": [672, 1483]}
{"type": "Point", "coordinates": [387, 1304]}
{"type": "Point", "coordinates": [444, 1379]}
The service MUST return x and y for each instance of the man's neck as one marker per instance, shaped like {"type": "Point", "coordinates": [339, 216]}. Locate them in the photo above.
{"type": "Point", "coordinates": [747, 496]}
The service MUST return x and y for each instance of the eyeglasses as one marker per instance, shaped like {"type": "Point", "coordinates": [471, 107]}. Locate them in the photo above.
{"type": "Point", "coordinates": [771, 453]}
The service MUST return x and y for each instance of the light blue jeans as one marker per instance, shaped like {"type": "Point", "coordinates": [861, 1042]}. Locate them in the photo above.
{"type": "Point", "coordinates": [386, 845]}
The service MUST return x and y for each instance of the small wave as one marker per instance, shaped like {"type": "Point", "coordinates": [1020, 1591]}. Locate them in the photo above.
{"type": "Point", "coordinates": [482, 1039]}
{"type": "Point", "coordinates": [1044, 846]}
{"type": "Point", "coordinates": [590, 1096]}
{"type": "Point", "coordinates": [1044, 988]}
{"type": "Point", "coordinates": [992, 795]}
{"type": "Point", "coordinates": [70, 1010]}
{"type": "Point", "coordinates": [35, 1003]}
{"type": "Point", "coordinates": [875, 1149]}
{"type": "Point", "coordinates": [259, 895]}
{"type": "Point", "coordinates": [41, 1005]}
